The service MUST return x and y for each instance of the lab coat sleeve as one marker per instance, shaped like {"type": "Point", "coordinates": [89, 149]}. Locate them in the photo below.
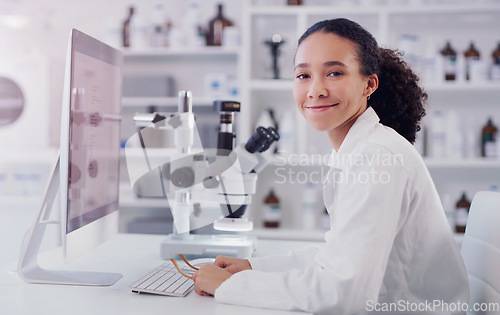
{"type": "Point", "coordinates": [297, 258]}
{"type": "Point", "coordinates": [349, 269]}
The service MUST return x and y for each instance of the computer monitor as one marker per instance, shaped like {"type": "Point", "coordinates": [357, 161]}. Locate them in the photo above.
{"type": "Point", "coordinates": [87, 171]}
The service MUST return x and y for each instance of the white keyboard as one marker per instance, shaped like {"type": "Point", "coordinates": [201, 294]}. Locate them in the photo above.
{"type": "Point", "coordinates": [165, 280]}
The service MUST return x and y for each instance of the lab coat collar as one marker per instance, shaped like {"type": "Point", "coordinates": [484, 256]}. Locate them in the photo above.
{"type": "Point", "coordinates": [359, 130]}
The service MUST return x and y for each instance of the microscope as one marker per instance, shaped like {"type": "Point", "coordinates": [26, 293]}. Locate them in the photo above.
{"type": "Point", "coordinates": [188, 175]}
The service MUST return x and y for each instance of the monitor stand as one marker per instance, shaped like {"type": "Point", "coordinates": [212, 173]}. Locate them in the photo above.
{"type": "Point", "coordinates": [201, 245]}
{"type": "Point", "coordinates": [28, 267]}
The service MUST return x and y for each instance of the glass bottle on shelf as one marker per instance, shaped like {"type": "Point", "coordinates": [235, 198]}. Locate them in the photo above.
{"type": "Point", "coordinates": [449, 62]}
{"type": "Point", "coordinates": [127, 27]}
{"type": "Point", "coordinates": [472, 56]}
{"type": "Point", "coordinates": [287, 132]}
{"type": "Point", "coordinates": [193, 32]}
{"type": "Point", "coordinates": [489, 146]}
{"type": "Point", "coordinates": [449, 210]}
{"type": "Point", "coordinates": [158, 24]}
{"type": "Point", "coordinates": [309, 207]}
{"type": "Point", "coordinates": [216, 26]}
{"type": "Point", "coordinates": [272, 212]}
{"type": "Point", "coordinates": [461, 213]}
{"type": "Point", "coordinates": [168, 28]}
{"type": "Point", "coordinates": [438, 140]}
{"type": "Point", "coordinates": [495, 64]}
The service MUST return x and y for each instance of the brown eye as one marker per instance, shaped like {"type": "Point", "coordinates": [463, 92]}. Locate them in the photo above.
{"type": "Point", "coordinates": [335, 74]}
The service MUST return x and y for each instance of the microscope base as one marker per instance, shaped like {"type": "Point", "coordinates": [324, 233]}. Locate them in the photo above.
{"type": "Point", "coordinates": [199, 245]}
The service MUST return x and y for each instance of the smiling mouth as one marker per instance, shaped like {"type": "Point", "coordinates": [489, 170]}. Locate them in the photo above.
{"type": "Point", "coordinates": [320, 107]}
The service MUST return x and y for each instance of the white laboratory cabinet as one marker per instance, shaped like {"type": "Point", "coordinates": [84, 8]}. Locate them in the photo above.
{"type": "Point", "coordinates": [428, 24]}
{"type": "Point", "coordinates": [433, 23]}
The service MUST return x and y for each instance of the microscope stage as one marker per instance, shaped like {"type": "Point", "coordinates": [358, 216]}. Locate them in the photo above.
{"type": "Point", "coordinates": [201, 245]}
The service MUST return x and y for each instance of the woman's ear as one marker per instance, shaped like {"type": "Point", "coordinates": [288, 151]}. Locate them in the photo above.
{"type": "Point", "coordinates": [372, 84]}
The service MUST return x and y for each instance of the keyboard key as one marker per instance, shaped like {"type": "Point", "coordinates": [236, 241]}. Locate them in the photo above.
{"type": "Point", "coordinates": [184, 287]}
{"type": "Point", "coordinates": [165, 280]}
{"type": "Point", "coordinates": [165, 286]}
{"type": "Point", "coordinates": [160, 281]}
{"type": "Point", "coordinates": [152, 279]}
{"type": "Point", "coordinates": [176, 284]}
{"type": "Point", "coordinates": [147, 276]}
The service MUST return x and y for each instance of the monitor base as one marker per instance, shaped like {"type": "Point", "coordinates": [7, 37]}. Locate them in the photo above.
{"type": "Point", "coordinates": [81, 278]}
{"type": "Point", "coordinates": [28, 268]}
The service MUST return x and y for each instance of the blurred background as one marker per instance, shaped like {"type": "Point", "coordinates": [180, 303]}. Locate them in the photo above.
{"type": "Point", "coordinates": [243, 50]}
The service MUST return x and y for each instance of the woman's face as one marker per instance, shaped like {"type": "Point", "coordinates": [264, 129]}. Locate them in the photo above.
{"type": "Point", "coordinates": [329, 89]}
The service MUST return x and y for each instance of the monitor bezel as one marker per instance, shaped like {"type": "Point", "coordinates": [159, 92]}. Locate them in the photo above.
{"type": "Point", "coordinates": [28, 267]}
{"type": "Point", "coordinates": [77, 242]}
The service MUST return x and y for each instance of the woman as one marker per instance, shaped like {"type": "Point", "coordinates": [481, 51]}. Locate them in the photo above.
{"type": "Point", "coordinates": [390, 244]}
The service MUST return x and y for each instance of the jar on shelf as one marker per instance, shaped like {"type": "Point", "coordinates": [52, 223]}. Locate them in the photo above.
{"type": "Point", "coordinates": [271, 215]}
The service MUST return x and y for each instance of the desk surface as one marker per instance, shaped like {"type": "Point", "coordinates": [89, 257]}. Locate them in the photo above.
{"type": "Point", "coordinates": [133, 255]}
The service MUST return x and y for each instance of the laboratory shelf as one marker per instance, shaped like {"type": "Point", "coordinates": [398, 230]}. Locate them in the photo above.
{"type": "Point", "coordinates": [163, 101]}
{"type": "Point", "coordinates": [464, 87]}
{"type": "Point", "coordinates": [21, 200]}
{"type": "Point", "coordinates": [272, 85]}
{"type": "Point", "coordinates": [260, 19]}
{"type": "Point", "coordinates": [473, 163]}
{"type": "Point", "coordinates": [312, 10]}
{"type": "Point", "coordinates": [372, 9]}
{"type": "Point", "coordinates": [163, 153]}
{"type": "Point", "coordinates": [181, 51]}
{"type": "Point", "coordinates": [442, 9]}
{"type": "Point", "coordinates": [42, 155]}
{"type": "Point", "coordinates": [134, 202]}
{"type": "Point", "coordinates": [128, 199]}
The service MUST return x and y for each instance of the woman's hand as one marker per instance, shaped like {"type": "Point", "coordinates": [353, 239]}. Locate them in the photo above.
{"type": "Point", "coordinates": [209, 278]}
{"type": "Point", "coordinates": [231, 264]}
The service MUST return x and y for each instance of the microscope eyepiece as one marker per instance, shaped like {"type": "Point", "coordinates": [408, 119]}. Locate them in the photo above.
{"type": "Point", "coordinates": [274, 133]}
{"type": "Point", "coordinates": [262, 139]}
{"type": "Point", "coordinates": [257, 140]}
{"type": "Point", "coordinates": [272, 136]}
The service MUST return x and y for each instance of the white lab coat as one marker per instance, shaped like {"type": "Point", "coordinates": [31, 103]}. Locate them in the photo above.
{"type": "Point", "coordinates": [390, 242]}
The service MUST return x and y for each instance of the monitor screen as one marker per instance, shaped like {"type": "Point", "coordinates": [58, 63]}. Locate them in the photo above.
{"type": "Point", "coordinates": [86, 173]}
{"type": "Point", "coordinates": [90, 141]}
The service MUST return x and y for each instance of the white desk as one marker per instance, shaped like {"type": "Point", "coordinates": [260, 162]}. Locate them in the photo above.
{"type": "Point", "coordinates": [133, 255]}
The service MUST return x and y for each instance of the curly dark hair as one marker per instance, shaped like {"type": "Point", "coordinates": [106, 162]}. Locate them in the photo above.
{"type": "Point", "coordinates": [399, 100]}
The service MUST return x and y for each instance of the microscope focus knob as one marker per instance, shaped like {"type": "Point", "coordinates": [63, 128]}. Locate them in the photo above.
{"type": "Point", "coordinates": [211, 182]}
{"type": "Point", "coordinates": [182, 177]}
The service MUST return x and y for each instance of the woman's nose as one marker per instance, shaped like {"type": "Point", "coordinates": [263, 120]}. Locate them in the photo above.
{"type": "Point", "coordinates": [317, 89]}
